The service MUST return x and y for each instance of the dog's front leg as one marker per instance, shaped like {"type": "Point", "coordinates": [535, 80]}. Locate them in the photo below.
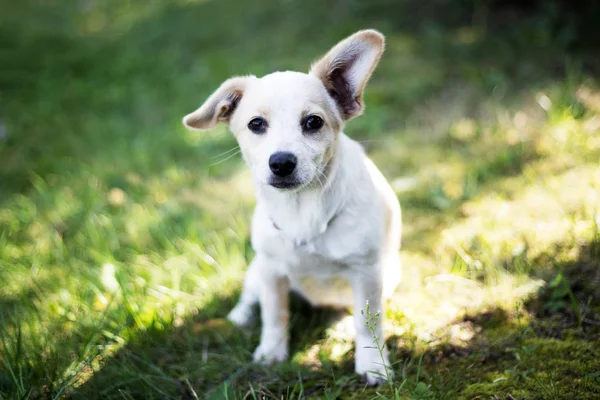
{"type": "Point", "coordinates": [274, 307]}
{"type": "Point", "coordinates": [369, 362]}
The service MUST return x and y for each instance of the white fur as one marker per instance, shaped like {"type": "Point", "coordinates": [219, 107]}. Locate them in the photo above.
{"type": "Point", "coordinates": [335, 237]}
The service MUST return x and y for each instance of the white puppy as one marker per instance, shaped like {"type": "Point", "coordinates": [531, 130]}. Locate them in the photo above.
{"type": "Point", "coordinates": [327, 224]}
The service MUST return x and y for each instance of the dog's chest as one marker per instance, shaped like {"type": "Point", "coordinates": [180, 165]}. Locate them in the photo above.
{"type": "Point", "coordinates": [311, 270]}
{"type": "Point", "coordinates": [302, 222]}
{"type": "Point", "coordinates": [305, 239]}
{"type": "Point", "coordinates": [319, 279]}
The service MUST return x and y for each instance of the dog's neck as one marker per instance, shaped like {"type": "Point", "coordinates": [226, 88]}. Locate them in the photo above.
{"type": "Point", "coordinates": [305, 214]}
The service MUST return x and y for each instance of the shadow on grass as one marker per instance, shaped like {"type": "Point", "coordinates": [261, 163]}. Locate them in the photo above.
{"type": "Point", "coordinates": [570, 304]}
{"type": "Point", "coordinates": [205, 353]}
{"type": "Point", "coordinates": [493, 352]}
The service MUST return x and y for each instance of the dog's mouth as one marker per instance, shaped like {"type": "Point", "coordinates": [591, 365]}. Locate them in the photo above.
{"type": "Point", "coordinates": [284, 184]}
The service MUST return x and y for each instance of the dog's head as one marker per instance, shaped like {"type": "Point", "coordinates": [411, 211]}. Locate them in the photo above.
{"type": "Point", "coordinates": [287, 123]}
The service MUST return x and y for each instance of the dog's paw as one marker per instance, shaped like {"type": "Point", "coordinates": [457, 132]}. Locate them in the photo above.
{"type": "Point", "coordinates": [240, 315]}
{"type": "Point", "coordinates": [370, 365]}
{"type": "Point", "coordinates": [267, 353]}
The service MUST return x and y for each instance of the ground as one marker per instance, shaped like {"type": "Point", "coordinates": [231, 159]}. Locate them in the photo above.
{"type": "Point", "coordinates": [124, 238]}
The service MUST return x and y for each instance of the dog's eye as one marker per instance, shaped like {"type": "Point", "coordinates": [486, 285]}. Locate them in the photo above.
{"type": "Point", "coordinates": [313, 123]}
{"type": "Point", "coordinates": [257, 125]}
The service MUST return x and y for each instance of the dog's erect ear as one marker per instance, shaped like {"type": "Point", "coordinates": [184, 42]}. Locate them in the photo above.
{"type": "Point", "coordinates": [219, 106]}
{"type": "Point", "coordinates": [346, 68]}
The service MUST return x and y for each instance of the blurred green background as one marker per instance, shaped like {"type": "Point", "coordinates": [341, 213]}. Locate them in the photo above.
{"type": "Point", "coordinates": [124, 238]}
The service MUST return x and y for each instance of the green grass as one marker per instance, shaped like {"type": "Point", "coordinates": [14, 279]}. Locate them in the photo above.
{"type": "Point", "coordinates": [124, 238]}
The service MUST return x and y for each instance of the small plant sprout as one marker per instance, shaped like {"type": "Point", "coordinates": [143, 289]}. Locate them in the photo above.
{"type": "Point", "coordinates": [371, 322]}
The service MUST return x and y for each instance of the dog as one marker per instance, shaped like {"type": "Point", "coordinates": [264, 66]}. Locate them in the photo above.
{"type": "Point", "coordinates": [327, 224]}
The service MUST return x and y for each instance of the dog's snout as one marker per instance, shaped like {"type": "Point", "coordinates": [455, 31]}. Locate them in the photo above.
{"type": "Point", "coordinates": [282, 163]}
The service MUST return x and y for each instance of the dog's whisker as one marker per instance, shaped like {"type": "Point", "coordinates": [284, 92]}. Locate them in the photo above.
{"type": "Point", "coordinates": [319, 172]}
{"type": "Point", "coordinates": [324, 181]}
{"type": "Point", "coordinates": [225, 152]}
{"type": "Point", "coordinates": [318, 176]}
{"type": "Point", "coordinates": [225, 159]}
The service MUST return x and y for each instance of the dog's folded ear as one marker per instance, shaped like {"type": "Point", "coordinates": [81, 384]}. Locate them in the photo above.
{"type": "Point", "coordinates": [219, 106]}
{"type": "Point", "coordinates": [346, 68]}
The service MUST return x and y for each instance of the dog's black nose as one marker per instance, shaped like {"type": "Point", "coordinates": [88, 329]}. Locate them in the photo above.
{"type": "Point", "coordinates": [282, 163]}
